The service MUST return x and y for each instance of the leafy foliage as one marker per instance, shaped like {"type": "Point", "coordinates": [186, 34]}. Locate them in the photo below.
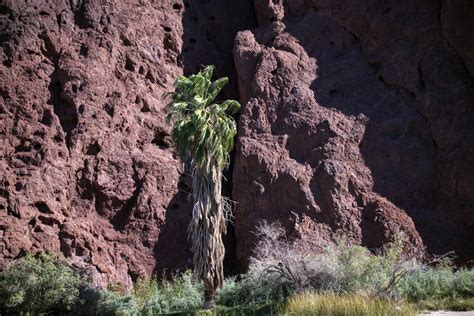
{"type": "Point", "coordinates": [40, 284]}
{"type": "Point", "coordinates": [150, 297]}
{"type": "Point", "coordinates": [183, 293]}
{"type": "Point", "coordinates": [246, 290]}
{"type": "Point", "coordinates": [202, 129]}
{"type": "Point", "coordinates": [339, 268]}
{"type": "Point", "coordinates": [432, 283]}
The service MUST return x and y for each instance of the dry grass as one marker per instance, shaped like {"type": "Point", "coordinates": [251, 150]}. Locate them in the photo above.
{"type": "Point", "coordinates": [344, 305]}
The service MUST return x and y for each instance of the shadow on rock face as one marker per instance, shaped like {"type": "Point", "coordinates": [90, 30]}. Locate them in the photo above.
{"type": "Point", "coordinates": [209, 28]}
{"type": "Point", "coordinates": [400, 139]}
{"type": "Point", "coordinates": [173, 248]}
{"type": "Point", "coordinates": [387, 139]}
{"type": "Point", "coordinates": [345, 117]}
{"type": "Point", "coordinates": [208, 33]}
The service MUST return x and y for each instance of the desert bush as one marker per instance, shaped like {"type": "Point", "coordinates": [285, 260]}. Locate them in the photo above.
{"type": "Point", "coordinates": [360, 271]}
{"type": "Point", "coordinates": [150, 297]}
{"type": "Point", "coordinates": [279, 264]}
{"type": "Point", "coordinates": [46, 284]}
{"type": "Point", "coordinates": [339, 268]}
{"type": "Point", "coordinates": [353, 305]}
{"type": "Point", "coordinates": [42, 284]}
{"type": "Point", "coordinates": [280, 274]}
{"type": "Point", "coordinates": [343, 268]}
{"type": "Point", "coordinates": [233, 292]}
{"type": "Point", "coordinates": [434, 283]}
{"type": "Point", "coordinates": [183, 292]}
{"type": "Point", "coordinates": [270, 276]}
{"type": "Point", "coordinates": [360, 281]}
{"type": "Point", "coordinates": [246, 290]}
{"type": "Point", "coordinates": [115, 304]}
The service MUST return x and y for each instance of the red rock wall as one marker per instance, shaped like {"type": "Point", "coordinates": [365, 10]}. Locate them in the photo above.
{"type": "Point", "coordinates": [87, 168]}
{"type": "Point", "coordinates": [358, 117]}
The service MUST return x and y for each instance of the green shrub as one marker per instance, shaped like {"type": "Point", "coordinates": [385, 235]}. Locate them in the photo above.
{"type": "Point", "coordinates": [150, 297]}
{"type": "Point", "coordinates": [182, 293]}
{"type": "Point", "coordinates": [246, 290]}
{"type": "Point", "coordinates": [279, 274]}
{"type": "Point", "coordinates": [279, 269]}
{"type": "Point", "coordinates": [116, 305]}
{"type": "Point", "coordinates": [40, 284]}
{"type": "Point", "coordinates": [283, 269]}
{"type": "Point", "coordinates": [432, 283]}
{"type": "Point", "coordinates": [340, 268]}
{"type": "Point", "coordinates": [232, 293]}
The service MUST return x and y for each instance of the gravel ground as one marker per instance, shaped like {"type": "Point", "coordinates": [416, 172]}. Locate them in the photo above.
{"type": "Point", "coordinates": [447, 313]}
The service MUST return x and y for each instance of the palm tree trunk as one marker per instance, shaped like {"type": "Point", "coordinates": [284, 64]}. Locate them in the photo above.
{"type": "Point", "coordinates": [209, 295]}
{"type": "Point", "coordinates": [206, 228]}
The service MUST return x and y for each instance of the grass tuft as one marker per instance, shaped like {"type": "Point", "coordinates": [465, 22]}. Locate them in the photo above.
{"type": "Point", "coordinates": [353, 305]}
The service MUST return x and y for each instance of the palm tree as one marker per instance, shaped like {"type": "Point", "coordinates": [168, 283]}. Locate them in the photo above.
{"type": "Point", "coordinates": [203, 133]}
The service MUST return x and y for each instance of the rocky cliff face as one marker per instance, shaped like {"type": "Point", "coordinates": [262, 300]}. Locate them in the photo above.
{"type": "Point", "coordinates": [355, 117]}
{"type": "Point", "coordinates": [87, 168]}
{"type": "Point", "coordinates": [358, 118]}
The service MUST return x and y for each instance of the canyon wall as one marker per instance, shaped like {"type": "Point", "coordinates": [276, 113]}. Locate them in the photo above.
{"type": "Point", "coordinates": [87, 167]}
{"type": "Point", "coordinates": [355, 117]}
{"type": "Point", "coordinates": [358, 118]}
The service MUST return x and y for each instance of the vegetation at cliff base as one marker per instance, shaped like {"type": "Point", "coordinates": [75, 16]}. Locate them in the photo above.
{"type": "Point", "coordinates": [43, 284]}
{"type": "Point", "coordinates": [342, 279]}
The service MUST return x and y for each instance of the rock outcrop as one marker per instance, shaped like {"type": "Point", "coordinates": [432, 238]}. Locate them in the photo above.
{"type": "Point", "coordinates": [358, 117]}
{"type": "Point", "coordinates": [87, 168]}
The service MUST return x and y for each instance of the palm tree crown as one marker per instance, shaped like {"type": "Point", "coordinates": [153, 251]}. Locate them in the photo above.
{"type": "Point", "coordinates": [202, 130]}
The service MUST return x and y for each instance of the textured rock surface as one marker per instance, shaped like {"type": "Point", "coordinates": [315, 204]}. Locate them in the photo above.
{"type": "Point", "coordinates": [358, 117]}
{"type": "Point", "coordinates": [87, 167]}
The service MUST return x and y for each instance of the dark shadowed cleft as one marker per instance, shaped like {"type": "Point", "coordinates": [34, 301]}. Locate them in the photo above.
{"type": "Point", "coordinates": [109, 109]}
{"type": "Point", "coordinates": [47, 118]}
{"type": "Point", "coordinates": [145, 108]}
{"type": "Point", "coordinates": [5, 10]}
{"type": "Point", "coordinates": [162, 140]}
{"type": "Point", "coordinates": [125, 40]}
{"type": "Point", "coordinates": [84, 50]}
{"type": "Point", "coordinates": [43, 208]}
{"type": "Point", "coordinates": [65, 111]}
{"type": "Point", "coordinates": [93, 149]}
{"type": "Point", "coordinates": [130, 64]}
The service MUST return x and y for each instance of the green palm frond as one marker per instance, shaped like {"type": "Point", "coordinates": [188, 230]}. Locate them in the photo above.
{"type": "Point", "coordinates": [215, 88]}
{"type": "Point", "coordinates": [202, 130]}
